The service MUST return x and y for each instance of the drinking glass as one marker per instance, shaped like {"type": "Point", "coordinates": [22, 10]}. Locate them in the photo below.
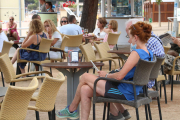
{"type": "Point", "coordinates": [82, 29]}
{"type": "Point", "coordinates": [86, 31]}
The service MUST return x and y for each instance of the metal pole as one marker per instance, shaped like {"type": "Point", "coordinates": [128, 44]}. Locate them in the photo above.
{"type": "Point", "coordinates": [176, 24]}
{"type": "Point", "coordinates": [109, 8]}
{"type": "Point", "coordinates": [132, 8]}
{"type": "Point", "coordinates": [77, 2]}
{"type": "Point", "coordinates": [20, 15]}
{"type": "Point", "coordinates": [102, 8]}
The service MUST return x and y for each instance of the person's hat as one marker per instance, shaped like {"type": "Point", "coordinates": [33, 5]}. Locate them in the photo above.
{"type": "Point", "coordinates": [0, 25]}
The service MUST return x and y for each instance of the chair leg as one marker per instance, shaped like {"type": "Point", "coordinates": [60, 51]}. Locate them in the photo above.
{"type": "Point", "coordinates": [159, 107]}
{"type": "Point", "coordinates": [108, 111]}
{"type": "Point", "coordinates": [101, 66]}
{"type": "Point", "coordinates": [137, 114]}
{"type": "Point", "coordinates": [94, 117]}
{"type": "Point", "coordinates": [149, 109]}
{"type": "Point", "coordinates": [146, 112]}
{"type": "Point", "coordinates": [160, 90]}
{"type": "Point", "coordinates": [109, 65]}
{"type": "Point", "coordinates": [171, 88]}
{"type": "Point", "coordinates": [2, 79]}
{"type": "Point", "coordinates": [37, 115]}
{"type": "Point", "coordinates": [93, 70]}
{"type": "Point", "coordinates": [28, 66]}
{"type": "Point", "coordinates": [104, 112]}
{"type": "Point", "coordinates": [165, 91]}
{"type": "Point", "coordinates": [53, 114]}
{"type": "Point", "coordinates": [50, 115]}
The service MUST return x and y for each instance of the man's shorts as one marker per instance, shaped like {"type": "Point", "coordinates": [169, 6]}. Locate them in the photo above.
{"type": "Point", "coordinates": [112, 91]}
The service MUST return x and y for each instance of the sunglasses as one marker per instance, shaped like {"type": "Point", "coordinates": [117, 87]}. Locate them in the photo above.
{"type": "Point", "coordinates": [46, 26]}
{"type": "Point", "coordinates": [63, 21]}
{"type": "Point", "coordinates": [11, 19]}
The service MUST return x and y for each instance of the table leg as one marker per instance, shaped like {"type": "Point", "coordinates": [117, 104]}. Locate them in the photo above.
{"type": "Point", "coordinates": [72, 82]}
{"type": "Point", "coordinates": [122, 56]}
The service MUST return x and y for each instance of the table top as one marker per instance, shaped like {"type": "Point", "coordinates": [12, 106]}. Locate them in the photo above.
{"type": "Point", "coordinates": [67, 65]}
{"type": "Point", "coordinates": [124, 49]}
{"type": "Point", "coordinates": [17, 42]}
{"type": "Point", "coordinates": [3, 91]}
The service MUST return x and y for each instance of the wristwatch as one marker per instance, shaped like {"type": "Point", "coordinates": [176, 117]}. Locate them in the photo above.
{"type": "Point", "coordinates": [106, 75]}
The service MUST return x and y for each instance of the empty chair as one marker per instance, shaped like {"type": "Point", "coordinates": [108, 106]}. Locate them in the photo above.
{"type": "Point", "coordinates": [47, 96]}
{"type": "Point", "coordinates": [113, 39]}
{"type": "Point", "coordinates": [16, 101]}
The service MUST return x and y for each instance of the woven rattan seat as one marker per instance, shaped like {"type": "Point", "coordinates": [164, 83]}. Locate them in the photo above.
{"type": "Point", "coordinates": [16, 101]}
{"type": "Point", "coordinates": [141, 77]}
{"type": "Point", "coordinates": [47, 96]}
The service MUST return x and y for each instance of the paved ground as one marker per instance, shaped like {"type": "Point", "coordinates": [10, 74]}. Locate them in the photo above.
{"type": "Point", "coordinates": [170, 111]}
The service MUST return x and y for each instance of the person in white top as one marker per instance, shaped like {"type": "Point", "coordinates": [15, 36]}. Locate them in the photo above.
{"type": "Point", "coordinates": [54, 34]}
{"type": "Point", "coordinates": [63, 21]}
{"type": "Point", "coordinates": [71, 29]}
{"type": "Point", "coordinates": [98, 32]}
{"type": "Point", "coordinates": [3, 37]}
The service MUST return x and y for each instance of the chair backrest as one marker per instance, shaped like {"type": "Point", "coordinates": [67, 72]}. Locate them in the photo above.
{"type": "Point", "coordinates": [16, 101]}
{"type": "Point", "coordinates": [74, 40]}
{"type": "Point", "coordinates": [7, 68]}
{"type": "Point", "coordinates": [88, 52]}
{"type": "Point", "coordinates": [166, 49]}
{"type": "Point", "coordinates": [45, 45]}
{"type": "Point", "coordinates": [48, 92]}
{"type": "Point", "coordinates": [64, 42]}
{"type": "Point", "coordinates": [156, 67]}
{"type": "Point", "coordinates": [142, 72]}
{"type": "Point", "coordinates": [113, 38]}
{"type": "Point", "coordinates": [102, 50]}
{"type": "Point", "coordinates": [6, 47]}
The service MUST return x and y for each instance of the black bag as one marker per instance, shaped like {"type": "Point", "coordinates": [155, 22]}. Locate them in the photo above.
{"type": "Point", "coordinates": [175, 47]}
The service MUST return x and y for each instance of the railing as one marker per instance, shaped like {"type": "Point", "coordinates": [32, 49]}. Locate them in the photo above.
{"type": "Point", "coordinates": [170, 19]}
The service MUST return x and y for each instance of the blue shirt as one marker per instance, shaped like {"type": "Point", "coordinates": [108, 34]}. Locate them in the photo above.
{"type": "Point", "coordinates": [127, 89]}
{"type": "Point", "coordinates": [156, 47]}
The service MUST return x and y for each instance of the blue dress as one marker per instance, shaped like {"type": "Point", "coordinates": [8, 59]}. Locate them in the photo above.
{"type": "Point", "coordinates": [127, 89]}
{"type": "Point", "coordinates": [32, 55]}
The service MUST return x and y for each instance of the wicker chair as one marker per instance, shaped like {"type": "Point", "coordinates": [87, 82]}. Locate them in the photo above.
{"type": "Point", "coordinates": [5, 50]}
{"type": "Point", "coordinates": [9, 73]}
{"type": "Point", "coordinates": [47, 96]}
{"type": "Point", "coordinates": [141, 77]}
{"type": "Point", "coordinates": [44, 47]}
{"type": "Point", "coordinates": [16, 101]}
{"type": "Point", "coordinates": [102, 50]}
{"type": "Point", "coordinates": [113, 38]}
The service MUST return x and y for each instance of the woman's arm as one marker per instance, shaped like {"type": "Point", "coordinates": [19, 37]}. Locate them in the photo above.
{"type": "Point", "coordinates": [30, 41]}
{"type": "Point", "coordinates": [130, 63]}
{"type": "Point", "coordinates": [107, 30]}
{"type": "Point", "coordinates": [15, 26]}
{"type": "Point", "coordinates": [54, 41]}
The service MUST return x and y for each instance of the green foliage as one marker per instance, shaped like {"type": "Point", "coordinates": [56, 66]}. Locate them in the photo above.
{"type": "Point", "coordinates": [159, 2]}
{"type": "Point", "coordinates": [32, 7]}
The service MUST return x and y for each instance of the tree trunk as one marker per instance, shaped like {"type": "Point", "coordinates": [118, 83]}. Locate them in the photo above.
{"type": "Point", "coordinates": [89, 14]}
{"type": "Point", "coordinates": [159, 14]}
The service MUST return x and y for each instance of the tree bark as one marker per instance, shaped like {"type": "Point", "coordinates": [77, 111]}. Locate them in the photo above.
{"type": "Point", "coordinates": [89, 14]}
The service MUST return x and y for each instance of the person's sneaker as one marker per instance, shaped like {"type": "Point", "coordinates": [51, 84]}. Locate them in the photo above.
{"type": "Point", "coordinates": [126, 115]}
{"type": "Point", "coordinates": [119, 117]}
{"type": "Point", "coordinates": [64, 113]}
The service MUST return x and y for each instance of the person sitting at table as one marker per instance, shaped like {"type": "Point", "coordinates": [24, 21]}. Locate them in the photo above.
{"type": "Point", "coordinates": [99, 31]}
{"type": "Point", "coordinates": [43, 5]}
{"type": "Point", "coordinates": [139, 33]}
{"type": "Point", "coordinates": [36, 16]}
{"type": "Point", "coordinates": [31, 41]}
{"type": "Point", "coordinates": [12, 28]}
{"type": "Point", "coordinates": [71, 29]}
{"type": "Point", "coordinates": [63, 21]}
{"type": "Point", "coordinates": [3, 38]}
{"type": "Point", "coordinates": [54, 34]}
{"type": "Point", "coordinates": [49, 7]}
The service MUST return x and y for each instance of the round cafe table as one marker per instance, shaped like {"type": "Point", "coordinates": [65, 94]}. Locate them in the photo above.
{"type": "Point", "coordinates": [73, 71]}
{"type": "Point", "coordinates": [3, 91]}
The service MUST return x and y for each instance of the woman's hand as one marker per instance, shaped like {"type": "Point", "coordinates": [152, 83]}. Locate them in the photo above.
{"type": "Point", "coordinates": [102, 73]}
{"type": "Point", "coordinates": [175, 40]}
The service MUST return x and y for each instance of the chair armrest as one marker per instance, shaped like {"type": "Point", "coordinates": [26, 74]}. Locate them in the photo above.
{"type": "Point", "coordinates": [58, 49]}
{"type": "Point", "coordinates": [36, 72]}
{"type": "Point", "coordinates": [106, 59]}
{"type": "Point", "coordinates": [174, 61]}
{"type": "Point", "coordinates": [29, 49]}
{"type": "Point", "coordinates": [98, 42]}
{"type": "Point", "coordinates": [108, 79]}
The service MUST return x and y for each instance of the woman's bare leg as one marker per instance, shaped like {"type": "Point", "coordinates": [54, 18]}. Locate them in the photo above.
{"type": "Point", "coordinates": [13, 60]}
{"type": "Point", "coordinates": [15, 35]}
{"type": "Point", "coordinates": [87, 79]}
{"type": "Point", "coordinates": [22, 70]}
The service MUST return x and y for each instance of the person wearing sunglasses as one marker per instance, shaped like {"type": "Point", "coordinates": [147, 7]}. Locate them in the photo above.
{"type": "Point", "coordinates": [63, 21]}
{"type": "Point", "coordinates": [50, 28]}
{"type": "Point", "coordinates": [12, 28]}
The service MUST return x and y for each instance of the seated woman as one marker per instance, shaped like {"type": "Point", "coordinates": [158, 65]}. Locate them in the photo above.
{"type": "Point", "coordinates": [54, 34]}
{"type": "Point", "coordinates": [49, 7]}
{"type": "Point", "coordinates": [12, 28]}
{"type": "Point", "coordinates": [63, 21]}
{"type": "Point", "coordinates": [112, 27]}
{"type": "Point", "coordinates": [139, 33]}
{"type": "Point", "coordinates": [32, 41]}
{"type": "Point", "coordinates": [99, 32]}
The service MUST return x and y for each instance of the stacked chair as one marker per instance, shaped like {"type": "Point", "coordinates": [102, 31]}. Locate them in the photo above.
{"type": "Point", "coordinates": [16, 101]}
{"type": "Point", "coordinates": [141, 77]}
